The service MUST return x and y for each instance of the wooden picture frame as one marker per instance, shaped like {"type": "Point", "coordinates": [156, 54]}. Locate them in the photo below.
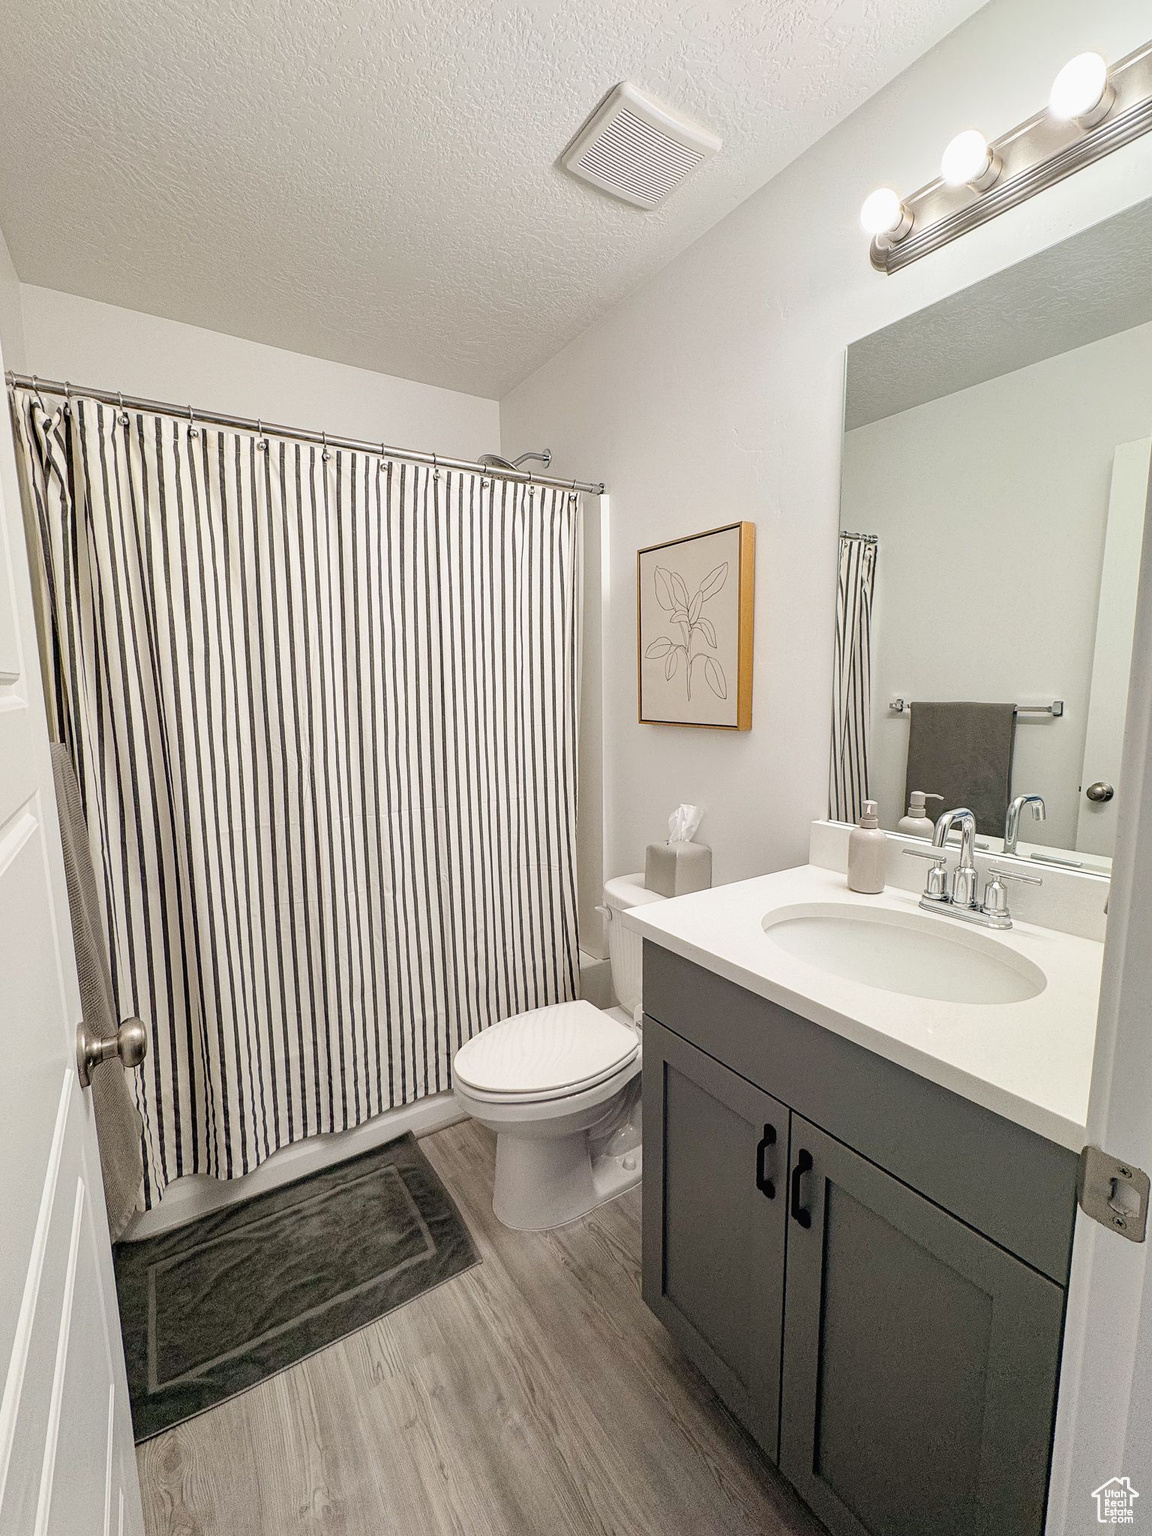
{"type": "Point", "coordinates": [694, 624]}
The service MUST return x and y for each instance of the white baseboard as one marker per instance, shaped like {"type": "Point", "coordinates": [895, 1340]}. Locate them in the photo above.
{"type": "Point", "coordinates": [196, 1195]}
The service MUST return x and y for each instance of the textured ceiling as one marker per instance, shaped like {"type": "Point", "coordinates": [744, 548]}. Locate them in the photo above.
{"type": "Point", "coordinates": [1093, 285]}
{"type": "Point", "coordinates": [375, 181]}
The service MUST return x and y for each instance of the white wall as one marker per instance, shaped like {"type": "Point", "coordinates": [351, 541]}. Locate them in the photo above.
{"type": "Point", "coordinates": [11, 320]}
{"type": "Point", "coordinates": [11, 356]}
{"type": "Point", "coordinates": [1009, 479]}
{"type": "Point", "coordinates": [714, 392]}
{"type": "Point", "coordinates": [105, 347]}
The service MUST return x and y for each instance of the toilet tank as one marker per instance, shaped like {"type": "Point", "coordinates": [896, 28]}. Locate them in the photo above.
{"type": "Point", "coordinates": [625, 947]}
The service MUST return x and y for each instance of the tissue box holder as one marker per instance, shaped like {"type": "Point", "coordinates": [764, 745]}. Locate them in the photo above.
{"type": "Point", "coordinates": [676, 869]}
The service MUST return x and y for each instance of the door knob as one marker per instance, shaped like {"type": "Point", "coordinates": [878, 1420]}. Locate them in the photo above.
{"type": "Point", "coordinates": [1099, 791]}
{"type": "Point", "coordinates": [130, 1043]}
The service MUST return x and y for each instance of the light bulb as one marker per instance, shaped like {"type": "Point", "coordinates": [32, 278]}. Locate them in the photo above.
{"type": "Point", "coordinates": [885, 216]}
{"type": "Point", "coordinates": [1081, 91]}
{"type": "Point", "coordinates": [970, 161]}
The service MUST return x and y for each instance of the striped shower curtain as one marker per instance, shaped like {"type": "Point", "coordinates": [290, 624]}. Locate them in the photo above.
{"type": "Point", "coordinates": [852, 678]}
{"type": "Point", "coordinates": [322, 708]}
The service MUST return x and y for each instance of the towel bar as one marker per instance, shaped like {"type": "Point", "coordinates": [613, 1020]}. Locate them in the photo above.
{"type": "Point", "coordinates": [1056, 708]}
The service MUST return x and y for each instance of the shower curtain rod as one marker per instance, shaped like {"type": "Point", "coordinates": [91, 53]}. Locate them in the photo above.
{"type": "Point", "coordinates": [297, 434]}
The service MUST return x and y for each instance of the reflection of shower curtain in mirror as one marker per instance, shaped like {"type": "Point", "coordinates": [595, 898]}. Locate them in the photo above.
{"type": "Point", "coordinates": [322, 708]}
{"type": "Point", "coordinates": [852, 678]}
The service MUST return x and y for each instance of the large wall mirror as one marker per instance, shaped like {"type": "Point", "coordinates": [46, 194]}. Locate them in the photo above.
{"type": "Point", "coordinates": [995, 483]}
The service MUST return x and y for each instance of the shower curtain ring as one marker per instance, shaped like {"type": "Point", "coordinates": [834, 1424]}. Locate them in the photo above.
{"type": "Point", "coordinates": [261, 440]}
{"type": "Point", "coordinates": [36, 392]}
{"type": "Point", "coordinates": [435, 468]}
{"type": "Point", "coordinates": [193, 429]}
{"type": "Point", "coordinates": [124, 419]}
{"type": "Point", "coordinates": [67, 398]}
{"type": "Point", "coordinates": [324, 439]}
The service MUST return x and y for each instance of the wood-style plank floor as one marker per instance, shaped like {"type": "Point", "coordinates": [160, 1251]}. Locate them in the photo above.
{"type": "Point", "coordinates": [535, 1394]}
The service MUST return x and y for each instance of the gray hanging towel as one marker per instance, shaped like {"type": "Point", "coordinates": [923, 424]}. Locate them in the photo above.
{"type": "Point", "coordinates": [964, 753]}
{"type": "Point", "coordinates": [117, 1122]}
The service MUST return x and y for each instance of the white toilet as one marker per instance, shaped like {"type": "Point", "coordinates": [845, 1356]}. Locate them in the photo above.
{"type": "Point", "coordinates": [560, 1087]}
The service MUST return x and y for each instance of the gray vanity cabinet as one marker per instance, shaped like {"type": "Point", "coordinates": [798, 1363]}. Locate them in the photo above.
{"type": "Point", "coordinates": [869, 1269]}
{"type": "Point", "coordinates": [920, 1359]}
{"type": "Point", "coordinates": [715, 1206]}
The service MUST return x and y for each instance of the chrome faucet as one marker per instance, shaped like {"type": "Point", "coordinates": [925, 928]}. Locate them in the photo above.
{"type": "Point", "coordinates": [1015, 812]}
{"type": "Point", "coordinates": [960, 898]}
{"type": "Point", "coordinates": [963, 890]}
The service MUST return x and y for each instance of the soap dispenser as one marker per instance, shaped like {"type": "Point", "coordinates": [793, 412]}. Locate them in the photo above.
{"type": "Point", "coordinates": [917, 823]}
{"type": "Point", "coordinates": [867, 849]}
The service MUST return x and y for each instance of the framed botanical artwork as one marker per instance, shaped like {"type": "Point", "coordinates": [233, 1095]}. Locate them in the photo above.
{"type": "Point", "coordinates": [694, 615]}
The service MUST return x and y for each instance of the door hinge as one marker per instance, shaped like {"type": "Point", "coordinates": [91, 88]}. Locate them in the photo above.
{"type": "Point", "coordinates": [1114, 1193]}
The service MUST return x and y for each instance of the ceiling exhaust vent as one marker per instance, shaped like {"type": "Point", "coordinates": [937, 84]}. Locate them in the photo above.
{"type": "Point", "coordinates": [637, 149]}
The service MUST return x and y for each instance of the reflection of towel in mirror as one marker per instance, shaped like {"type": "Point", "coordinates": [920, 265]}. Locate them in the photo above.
{"type": "Point", "coordinates": [964, 752]}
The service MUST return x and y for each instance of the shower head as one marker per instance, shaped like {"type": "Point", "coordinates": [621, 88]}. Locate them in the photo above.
{"type": "Point", "coordinates": [494, 460]}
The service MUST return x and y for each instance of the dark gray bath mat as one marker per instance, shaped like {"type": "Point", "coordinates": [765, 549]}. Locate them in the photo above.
{"type": "Point", "coordinates": [216, 1306]}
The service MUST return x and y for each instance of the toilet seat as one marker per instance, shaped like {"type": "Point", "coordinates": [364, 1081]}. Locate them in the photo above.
{"type": "Point", "coordinates": [548, 1053]}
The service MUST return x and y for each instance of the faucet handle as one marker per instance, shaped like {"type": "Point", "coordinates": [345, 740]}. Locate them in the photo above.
{"type": "Point", "coordinates": [996, 897]}
{"type": "Point", "coordinates": [936, 886]}
{"type": "Point", "coordinates": [1010, 874]}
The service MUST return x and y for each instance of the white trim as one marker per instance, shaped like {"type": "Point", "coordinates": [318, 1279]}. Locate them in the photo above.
{"type": "Point", "coordinates": [109, 1458]}
{"type": "Point", "coordinates": [67, 1311]}
{"type": "Point", "coordinates": [18, 1361]}
{"type": "Point", "coordinates": [1101, 1423]}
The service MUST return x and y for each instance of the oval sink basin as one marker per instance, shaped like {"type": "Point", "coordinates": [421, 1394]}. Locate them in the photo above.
{"type": "Point", "coordinates": [908, 952]}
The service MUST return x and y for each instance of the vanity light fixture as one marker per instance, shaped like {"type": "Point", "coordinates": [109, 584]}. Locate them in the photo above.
{"type": "Point", "coordinates": [1082, 92]}
{"type": "Point", "coordinates": [1092, 110]}
{"type": "Point", "coordinates": [884, 216]}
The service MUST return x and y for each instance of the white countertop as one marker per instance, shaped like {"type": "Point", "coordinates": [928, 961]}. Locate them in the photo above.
{"type": "Point", "coordinates": [1029, 1061]}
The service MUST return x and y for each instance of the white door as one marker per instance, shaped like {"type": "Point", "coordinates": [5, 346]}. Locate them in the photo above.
{"type": "Point", "coordinates": [67, 1464]}
{"type": "Point", "coordinates": [1116, 616]}
{"type": "Point", "coordinates": [1104, 1418]}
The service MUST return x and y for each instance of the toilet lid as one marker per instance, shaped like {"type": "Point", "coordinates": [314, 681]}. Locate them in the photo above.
{"type": "Point", "coordinates": [566, 1045]}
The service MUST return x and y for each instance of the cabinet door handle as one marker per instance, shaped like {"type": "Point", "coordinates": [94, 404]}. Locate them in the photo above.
{"type": "Point", "coordinates": [803, 1166]}
{"type": "Point", "coordinates": [764, 1184]}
